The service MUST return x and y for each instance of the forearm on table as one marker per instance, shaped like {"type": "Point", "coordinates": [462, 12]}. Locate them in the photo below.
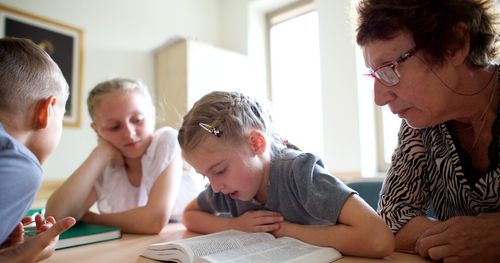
{"type": "Point", "coordinates": [140, 220]}
{"type": "Point", "coordinates": [71, 198]}
{"type": "Point", "coordinates": [346, 239]}
{"type": "Point", "coordinates": [407, 236]}
{"type": "Point", "coordinates": [205, 223]}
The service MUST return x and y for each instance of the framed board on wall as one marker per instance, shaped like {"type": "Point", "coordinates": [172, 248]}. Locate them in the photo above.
{"type": "Point", "coordinates": [64, 43]}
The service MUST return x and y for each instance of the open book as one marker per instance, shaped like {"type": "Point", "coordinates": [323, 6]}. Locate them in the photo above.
{"type": "Point", "coordinates": [238, 246]}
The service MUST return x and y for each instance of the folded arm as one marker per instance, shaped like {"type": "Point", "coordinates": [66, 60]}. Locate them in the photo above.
{"type": "Point", "coordinates": [359, 232]}
{"type": "Point", "coordinates": [199, 221]}
{"type": "Point", "coordinates": [76, 195]}
{"type": "Point", "coordinates": [151, 218]}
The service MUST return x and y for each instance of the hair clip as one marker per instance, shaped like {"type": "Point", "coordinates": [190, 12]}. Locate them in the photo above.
{"type": "Point", "coordinates": [211, 129]}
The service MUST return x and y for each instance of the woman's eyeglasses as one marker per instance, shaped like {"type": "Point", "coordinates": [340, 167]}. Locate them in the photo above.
{"type": "Point", "coordinates": [388, 74]}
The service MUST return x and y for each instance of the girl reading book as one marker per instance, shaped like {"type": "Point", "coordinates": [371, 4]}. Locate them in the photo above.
{"type": "Point", "coordinates": [268, 185]}
{"type": "Point", "coordinates": [135, 174]}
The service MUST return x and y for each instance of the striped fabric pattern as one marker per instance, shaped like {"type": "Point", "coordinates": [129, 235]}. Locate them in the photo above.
{"type": "Point", "coordinates": [428, 167]}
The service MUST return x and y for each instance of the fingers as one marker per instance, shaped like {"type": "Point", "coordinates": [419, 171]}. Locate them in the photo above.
{"type": "Point", "coordinates": [16, 237]}
{"type": "Point", "coordinates": [59, 227]}
{"type": "Point", "coordinates": [436, 229]}
{"type": "Point", "coordinates": [424, 244]}
{"type": "Point", "coordinates": [55, 229]}
{"type": "Point", "coordinates": [42, 245]}
{"type": "Point", "coordinates": [44, 224]}
{"type": "Point", "coordinates": [440, 252]}
{"type": "Point", "coordinates": [263, 213]}
{"type": "Point", "coordinates": [267, 228]}
{"type": "Point", "coordinates": [27, 220]}
{"type": "Point", "coordinates": [262, 221]}
{"type": "Point", "coordinates": [268, 219]}
{"type": "Point", "coordinates": [39, 220]}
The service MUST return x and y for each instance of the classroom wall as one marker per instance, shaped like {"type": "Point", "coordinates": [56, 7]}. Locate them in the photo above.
{"type": "Point", "coordinates": [119, 39]}
{"type": "Point", "coordinates": [120, 36]}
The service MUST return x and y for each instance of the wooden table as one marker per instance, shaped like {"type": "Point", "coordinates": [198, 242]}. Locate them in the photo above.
{"type": "Point", "coordinates": [130, 247]}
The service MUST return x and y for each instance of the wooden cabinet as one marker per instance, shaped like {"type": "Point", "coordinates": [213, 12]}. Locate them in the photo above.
{"type": "Point", "coordinates": [186, 70]}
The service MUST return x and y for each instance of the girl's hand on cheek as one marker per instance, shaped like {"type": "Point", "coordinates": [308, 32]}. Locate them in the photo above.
{"type": "Point", "coordinates": [259, 221]}
{"type": "Point", "coordinates": [109, 150]}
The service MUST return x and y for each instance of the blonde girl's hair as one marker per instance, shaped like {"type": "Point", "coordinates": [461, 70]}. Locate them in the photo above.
{"type": "Point", "coordinates": [119, 84]}
{"type": "Point", "coordinates": [233, 114]}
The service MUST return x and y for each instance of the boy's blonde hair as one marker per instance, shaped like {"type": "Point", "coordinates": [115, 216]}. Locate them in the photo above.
{"type": "Point", "coordinates": [119, 84]}
{"type": "Point", "coordinates": [232, 113]}
{"type": "Point", "coordinates": [27, 75]}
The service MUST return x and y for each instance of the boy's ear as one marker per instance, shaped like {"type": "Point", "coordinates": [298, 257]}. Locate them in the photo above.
{"type": "Point", "coordinates": [43, 112]}
{"type": "Point", "coordinates": [258, 142]}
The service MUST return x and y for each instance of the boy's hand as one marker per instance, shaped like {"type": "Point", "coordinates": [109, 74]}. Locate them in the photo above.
{"type": "Point", "coordinates": [42, 245]}
{"type": "Point", "coordinates": [17, 237]}
{"type": "Point", "coordinates": [259, 221]}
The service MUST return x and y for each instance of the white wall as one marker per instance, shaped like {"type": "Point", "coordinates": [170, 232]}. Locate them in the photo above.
{"type": "Point", "coordinates": [340, 92]}
{"type": "Point", "coordinates": [120, 36]}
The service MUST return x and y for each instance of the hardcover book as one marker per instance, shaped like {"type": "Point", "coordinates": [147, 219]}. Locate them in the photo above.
{"type": "Point", "coordinates": [83, 234]}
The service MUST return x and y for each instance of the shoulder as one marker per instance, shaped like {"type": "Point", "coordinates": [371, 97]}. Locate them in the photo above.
{"type": "Point", "coordinates": [166, 137]}
{"type": "Point", "coordinates": [297, 166]}
{"type": "Point", "coordinates": [165, 134]}
{"type": "Point", "coordinates": [16, 157]}
{"type": "Point", "coordinates": [164, 146]}
{"type": "Point", "coordinates": [297, 160]}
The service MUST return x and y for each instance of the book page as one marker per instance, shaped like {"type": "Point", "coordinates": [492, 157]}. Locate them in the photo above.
{"type": "Point", "coordinates": [284, 249]}
{"type": "Point", "coordinates": [209, 244]}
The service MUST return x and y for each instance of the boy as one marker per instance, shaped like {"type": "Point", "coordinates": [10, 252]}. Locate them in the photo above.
{"type": "Point", "coordinates": [33, 93]}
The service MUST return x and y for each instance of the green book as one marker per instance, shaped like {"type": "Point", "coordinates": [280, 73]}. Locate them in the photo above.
{"type": "Point", "coordinates": [84, 234]}
{"type": "Point", "coordinates": [34, 211]}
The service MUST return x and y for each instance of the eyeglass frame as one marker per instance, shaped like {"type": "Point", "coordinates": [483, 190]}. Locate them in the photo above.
{"type": "Point", "coordinates": [393, 66]}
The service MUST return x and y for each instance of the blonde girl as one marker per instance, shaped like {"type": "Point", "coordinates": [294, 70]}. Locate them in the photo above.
{"type": "Point", "coordinates": [135, 174]}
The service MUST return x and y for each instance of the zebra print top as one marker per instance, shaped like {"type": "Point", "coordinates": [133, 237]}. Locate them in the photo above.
{"type": "Point", "coordinates": [430, 167]}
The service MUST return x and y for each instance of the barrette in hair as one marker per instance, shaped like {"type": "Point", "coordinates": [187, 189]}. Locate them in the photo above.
{"type": "Point", "coordinates": [211, 129]}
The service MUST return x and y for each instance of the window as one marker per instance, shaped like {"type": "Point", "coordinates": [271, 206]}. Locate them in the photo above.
{"type": "Point", "coordinates": [295, 81]}
{"type": "Point", "coordinates": [387, 135]}
{"type": "Point", "coordinates": [379, 126]}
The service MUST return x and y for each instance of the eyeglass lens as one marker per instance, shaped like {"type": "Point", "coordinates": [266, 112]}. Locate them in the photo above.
{"type": "Point", "coordinates": [387, 75]}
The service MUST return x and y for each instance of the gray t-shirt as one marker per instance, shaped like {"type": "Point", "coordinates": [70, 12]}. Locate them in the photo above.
{"type": "Point", "coordinates": [300, 188]}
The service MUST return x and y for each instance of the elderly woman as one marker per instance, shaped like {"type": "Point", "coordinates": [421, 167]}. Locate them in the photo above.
{"type": "Point", "coordinates": [432, 64]}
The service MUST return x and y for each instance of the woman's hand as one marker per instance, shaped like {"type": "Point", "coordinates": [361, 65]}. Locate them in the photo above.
{"type": "Point", "coordinates": [463, 239]}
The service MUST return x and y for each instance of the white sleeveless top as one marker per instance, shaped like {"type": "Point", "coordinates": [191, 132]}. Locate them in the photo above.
{"type": "Point", "coordinates": [115, 193]}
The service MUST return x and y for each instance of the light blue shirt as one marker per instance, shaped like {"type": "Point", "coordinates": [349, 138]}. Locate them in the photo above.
{"type": "Point", "coordinates": [20, 178]}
